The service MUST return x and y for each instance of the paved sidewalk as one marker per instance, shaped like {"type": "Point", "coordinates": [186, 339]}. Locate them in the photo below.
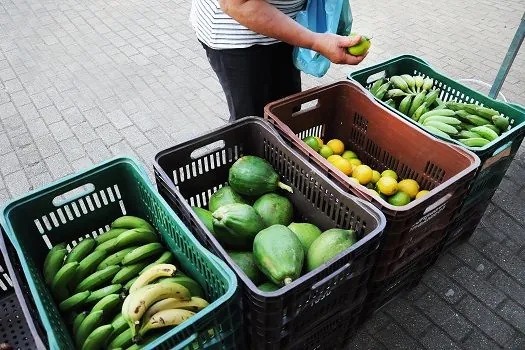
{"type": "Point", "coordinates": [81, 81]}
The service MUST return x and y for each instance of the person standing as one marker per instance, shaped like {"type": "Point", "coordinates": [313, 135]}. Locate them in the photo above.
{"type": "Point", "coordinates": [249, 45]}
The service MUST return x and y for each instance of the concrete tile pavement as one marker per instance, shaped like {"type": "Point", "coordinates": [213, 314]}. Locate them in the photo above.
{"type": "Point", "coordinates": [81, 81]}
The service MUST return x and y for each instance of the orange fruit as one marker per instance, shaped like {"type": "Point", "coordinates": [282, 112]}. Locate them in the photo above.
{"type": "Point", "coordinates": [387, 185]}
{"type": "Point", "coordinates": [363, 173]}
{"type": "Point", "coordinates": [409, 186]}
{"type": "Point", "coordinates": [343, 165]}
{"type": "Point", "coordinates": [389, 173]}
{"type": "Point", "coordinates": [422, 193]}
{"type": "Point", "coordinates": [337, 146]}
{"type": "Point", "coordinates": [325, 151]}
{"type": "Point", "coordinates": [376, 175]}
{"type": "Point", "coordinates": [333, 158]}
{"type": "Point", "coordinates": [319, 141]}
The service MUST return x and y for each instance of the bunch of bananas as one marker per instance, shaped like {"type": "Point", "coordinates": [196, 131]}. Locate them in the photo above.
{"type": "Point", "coordinates": [414, 96]}
{"type": "Point", "coordinates": [91, 281]}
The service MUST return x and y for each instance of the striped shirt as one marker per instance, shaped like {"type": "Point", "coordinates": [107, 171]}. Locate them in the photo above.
{"type": "Point", "coordinates": [219, 31]}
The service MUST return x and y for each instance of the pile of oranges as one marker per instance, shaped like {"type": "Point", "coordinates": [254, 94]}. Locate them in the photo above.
{"type": "Point", "coordinates": [384, 184]}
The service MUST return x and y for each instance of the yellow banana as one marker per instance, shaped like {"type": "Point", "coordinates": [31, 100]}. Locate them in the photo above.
{"type": "Point", "coordinates": [154, 272]}
{"type": "Point", "coordinates": [195, 305]}
{"type": "Point", "coordinates": [165, 318]}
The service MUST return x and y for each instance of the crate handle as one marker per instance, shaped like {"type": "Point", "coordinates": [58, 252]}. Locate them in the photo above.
{"type": "Point", "coordinates": [334, 274]}
{"type": "Point", "coordinates": [208, 149]}
{"type": "Point", "coordinates": [73, 194]}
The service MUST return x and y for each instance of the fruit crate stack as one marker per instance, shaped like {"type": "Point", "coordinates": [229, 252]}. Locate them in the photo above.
{"type": "Point", "coordinates": [453, 112]}
{"type": "Point", "coordinates": [309, 296]}
{"type": "Point", "coordinates": [17, 327]}
{"type": "Point", "coordinates": [83, 274]}
{"type": "Point", "coordinates": [416, 228]}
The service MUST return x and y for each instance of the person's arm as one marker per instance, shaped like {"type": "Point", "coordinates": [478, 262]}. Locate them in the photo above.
{"type": "Point", "coordinates": [261, 17]}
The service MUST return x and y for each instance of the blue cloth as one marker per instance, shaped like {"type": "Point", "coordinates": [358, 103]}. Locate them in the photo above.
{"type": "Point", "coordinates": [321, 16]}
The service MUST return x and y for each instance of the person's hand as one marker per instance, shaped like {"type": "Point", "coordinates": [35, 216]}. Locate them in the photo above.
{"type": "Point", "coordinates": [333, 47]}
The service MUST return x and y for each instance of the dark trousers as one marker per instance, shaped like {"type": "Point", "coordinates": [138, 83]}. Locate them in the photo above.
{"type": "Point", "coordinates": [254, 76]}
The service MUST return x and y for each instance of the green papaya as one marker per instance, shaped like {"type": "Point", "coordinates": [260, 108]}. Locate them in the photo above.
{"type": "Point", "coordinates": [246, 263]}
{"type": "Point", "coordinates": [327, 245]}
{"type": "Point", "coordinates": [254, 176]}
{"type": "Point", "coordinates": [236, 225]}
{"type": "Point", "coordinates": [204, 216]}
{"type": "Point", "coordinates": [268, 287]}
{"type": "Point", "coordinates": [274, 209]}
{"type": "Point", "coordinates": [307, 233]}
{"type": "Point", "coordinates": [225, 195]}
{"type": "Point", "coordinates": [279, 254]}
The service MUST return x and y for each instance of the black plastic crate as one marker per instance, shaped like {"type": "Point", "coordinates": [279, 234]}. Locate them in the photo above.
{"type": "Point", "coordinates": [17, 326]}
{"type": "Point", "coordinates": [188, 174]}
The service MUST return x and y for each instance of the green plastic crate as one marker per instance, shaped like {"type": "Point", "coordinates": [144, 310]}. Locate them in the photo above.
{"type": "Point", "coordinates": [495, 157]}
{"type": "Point", "coordinates": [451, 90]}
{"type": "Point", "coordinates": [83, 205]}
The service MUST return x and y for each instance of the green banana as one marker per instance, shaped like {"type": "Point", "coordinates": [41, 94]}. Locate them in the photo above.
{"type": "Point", "coordinates": [102, 292]}
{"type": "Point", "coordinates": [465, 134]}
{"type": "Point", "coordinates": [418, 101]}
{"type": "Point", "coordinates": [449, 129]}
{"type": "Point", "coordinates": [61, 280]}
{"type": "Point", "coordinates": [404, 105]}
{"type": "Point", "coordinates": [431, 97]}
{"type": "Point", "coordinates": [119, 325]}
{"type": "Point", "coordinates": [141, 253]}
{"type": "Point", "coordinates": [418, 80]}
{"type": "Point", "coordinates": [399, 83]}
{"type": "Point", "coordinates": [376, 85]}
{"type": "Point", "coordinates": [446, 120]}
{"type": "Point", "coordinates": [476, 120]}
{"type": "Point", "coordinates": [90, 323]}
{"type": "Point", "coordinates": [417, 114]}
{"type": "Point", "coordinates": [81, 250]}
{"type": "Point", "coordinates": [107, 304]}
{"type": "Point", "coordinates": [390, 103]}
{"type": "Point", "coordinates": [427, 84]}
{"type": "Point", "coordinates": [88, 265]}
{"type": "Point", "coordinates": [194, 288]}
{"type": "Point", "coordinates": [493, 128]}
{"type": "Point", "coordinates": [500, 122]}
{"type": "Point", "coordinates": [136, 236]}
{"type": "Point", "coordinates": [138, 302]}
{"type": "Point", "coordinates": [115, 258]}
{"type": "Point", "coordinates": [54, 261]}
{"type": "Point", "coordinates": [436, 112]}
{"type": "Point", "coordinates": [129, 283]}
{"type": "Point", "coordinates": [153, 273]}
{"type": "Point", "coordinates": [97, 278]}
{"type": "Point", "coordinates": [130, 222]}
{"type": "Point", "coordinates": [395, 93]}
{"type": "Point", "coordinates": [474, 142]}
{"type": "Point", "coordinates": [410, 82]}
{"type": "Point", "coordinates": [123, 340]}
{"type": "Point", "coordinates": [78, 320]}
{"type": "Point", "coordinates": [128, 272]}
{"type": "Point", "coordinates": [132, 237]}
{"type": "Point", "coordinates": [467, 126]}
{"type": "Point", "coordinates": [485, 132]}
{"type": "Point", "coordinates": [455, 106]}
{"type": "Point", "coordinates": [461, 113]}
{"type": "Point", "coordinates": [165, 258]}
{"type": "Point", "coordinates": [382, 90]}
{"type": "Point", "coordinates": [106, 236]}
{"type": "Point", "coordinates": [74, 301]}
{"type": "Point", "coordinates": [97, 338]}
{"type": "Point", "coordinates": [483, 112]}
{"type": "Point", "coordinates": [436, 131]}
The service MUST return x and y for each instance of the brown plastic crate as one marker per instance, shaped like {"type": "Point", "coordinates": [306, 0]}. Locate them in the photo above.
{"type": "Point", "coordinates": [382, 140]}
